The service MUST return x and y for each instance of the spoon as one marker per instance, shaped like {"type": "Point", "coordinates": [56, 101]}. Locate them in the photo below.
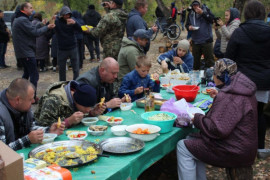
{"type": "Point", "coordinates": [74, 155]}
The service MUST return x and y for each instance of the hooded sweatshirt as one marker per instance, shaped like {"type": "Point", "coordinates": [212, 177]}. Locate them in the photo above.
{"type": "Point", "coordinates": [249, 48]}
{"type": "Point", "coordinates": [228, 132]}
{"type": "Point", "coordinates": [65, 34]}
{"type": "Point", "coordinates": [91, 17]}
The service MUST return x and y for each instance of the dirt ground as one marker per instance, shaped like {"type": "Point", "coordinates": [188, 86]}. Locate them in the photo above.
{"type": "Point", "coordinates": [163, 170]}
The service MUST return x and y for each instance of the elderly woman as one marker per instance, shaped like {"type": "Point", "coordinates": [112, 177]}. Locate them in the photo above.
{"type": "Point", "coordinates": [232, 22]}
{"type": "Point", "coordinates": [228, 132]}
{"type": "Point", "coordinates": [249, 48]}
{"type": "Point", "coordinates": [177, 58]}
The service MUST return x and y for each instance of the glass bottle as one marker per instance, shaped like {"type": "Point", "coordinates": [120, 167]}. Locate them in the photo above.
{"type": "Point", "coordinates": [149, 102]}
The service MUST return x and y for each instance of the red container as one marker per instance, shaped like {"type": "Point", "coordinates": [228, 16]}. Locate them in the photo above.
{"type": "Point", "coordinates": [189, 92]}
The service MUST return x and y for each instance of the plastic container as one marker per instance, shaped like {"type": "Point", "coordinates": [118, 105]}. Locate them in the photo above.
{"type": "Point", "coordinates": [96, 133]}
{"type": "Point", "coordinates": [189, 92]}
{"type": "Point", "coordinates": [113, 121]}
{"type": "Point", "coordinates": [78, 135]}
{"type": "Point", "coordinates": [48, 138]}
{"type": "Point", "coordinates": [119, 130]}
{"type": "Point", "coordinates": [165, 125]}
{"type": "Point", "coordinates": [126, 106]}
{"type": "Point", "coordinates": [88, 121]}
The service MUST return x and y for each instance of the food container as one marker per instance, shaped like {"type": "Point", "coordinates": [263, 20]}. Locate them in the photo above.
{"type": "Point", "coordinates": [88, 121]}
{"type": "Point", "coordinates": [77, 135]}
{"type": "Point", "coordinates": [154, 131]}
{"type": "Point", "coordinates": [119, 130]}
{"type": "Point", "coordinates": [165, 125]}
{"type": "Point", "coordinates": [126, 106]}
{"type": "Point", "coordinates": [97, 132]}
{"type": "Point", "coordinates": [48, 138]}
{"type": "Point", "coordinates": [113, 121]}
{"type": "Point", "coordinates": [158, 103]}
{"type": "Point", "coordinates": [189, 92]}
{"type": "Point", "coordinates": [164, 80]}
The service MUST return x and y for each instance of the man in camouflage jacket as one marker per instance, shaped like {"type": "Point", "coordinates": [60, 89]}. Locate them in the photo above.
{"type": "Point", "coordinates": [111, 28]}
{"type": "Point", "coordinates": [61, 101]}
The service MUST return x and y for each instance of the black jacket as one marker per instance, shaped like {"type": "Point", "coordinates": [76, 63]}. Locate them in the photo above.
{"type": "Point", "coordinates": [4, 37]}
{"type": "Point", "coordinates": [91, 17]}
{"type": "Point", "coordinates": [249, 47]}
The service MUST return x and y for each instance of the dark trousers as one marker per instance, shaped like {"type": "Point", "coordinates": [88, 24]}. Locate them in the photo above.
{"type": "Point", "coordinates": [3, 50]}
{"type": "Point", "coordinates": [80, 44]}
{"type": "Point", "coordinates": [205, 49]}
{"type": "Point", "coordinates": [54, 62]}
{"type": "Point", "coordinates": [30, 70]}
{"type": "Point", "coordinates": [93, 45]}
{"type": "Point", "coordinates": [62, 57]}
{"type": "Point", "coordinates": [41, 63]}
{"type": "Point", "coordinates": [261, 126]}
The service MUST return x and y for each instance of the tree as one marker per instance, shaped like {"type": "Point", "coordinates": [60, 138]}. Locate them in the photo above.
{"type": "Point", "coordinates": [163, 8]}
{"type": "Point", "coordinates": [66, 3]}
{"type": "Point", "coordinates": [239, 4]}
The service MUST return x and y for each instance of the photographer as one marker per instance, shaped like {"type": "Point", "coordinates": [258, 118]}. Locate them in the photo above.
{"type": "Point", "coordinates": [232, 22]}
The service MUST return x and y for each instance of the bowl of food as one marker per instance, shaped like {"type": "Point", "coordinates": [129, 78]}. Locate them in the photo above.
{"type": "Point", "coordinates": [77, 135]}
{"type": "Point", "coordinates": [88, 121]}
{"type": "Point", "coordinates": [162, 119]}
{"type": "Point", "coordinates": [188, 92]}
{"type": "Point", "coordinates": [48, 138]}
{"type": "Point", "coordinates": [126, 106]}
{"type": "Point", "coordinates": [97, 130]}
{"type": "Point", "coordinates": [113, 121]}
{"type": "Point", "coordinates": [119, 130]}
{"type": "Point", "coordinates": [144, 132]}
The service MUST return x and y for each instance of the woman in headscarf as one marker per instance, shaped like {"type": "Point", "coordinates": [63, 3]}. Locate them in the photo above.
{"type": "Point", "coordinates": [232, 22]}
{"type": "Point", "coordinates": [228, 132]}
{"type": "Point", "coordinates": [249, 48]}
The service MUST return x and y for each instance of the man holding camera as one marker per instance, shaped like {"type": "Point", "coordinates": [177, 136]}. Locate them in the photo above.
{"type": "Point", "coordinates": [199, 21]}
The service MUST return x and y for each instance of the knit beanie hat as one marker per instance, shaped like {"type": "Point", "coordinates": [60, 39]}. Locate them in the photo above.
{"type": "Point", "coordinates": [224, 69]}
{"type": "Point", "coordinates": [85, 95]}
{"type": "Point", "coordinates": [183, 44]}
{"type": "Point", "coordinates": [119, 2]}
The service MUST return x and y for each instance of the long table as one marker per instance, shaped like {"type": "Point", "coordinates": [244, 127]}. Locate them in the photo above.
{"type": "Point", "coordinates": [128, 166]}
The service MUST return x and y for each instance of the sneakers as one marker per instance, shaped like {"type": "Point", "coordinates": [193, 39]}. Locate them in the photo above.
{"type": "Point", "coordinates": [54, 69]}
{"type": "Point", "coordinates": [263, 153]}
{"type": "Point", "coordinates": [4, 67]}
{"type": "Point", "coordinates": [43, 70]}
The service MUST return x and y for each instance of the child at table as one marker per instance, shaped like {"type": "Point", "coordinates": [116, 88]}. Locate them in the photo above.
{"type": "Point", "coordinates": [135, 82]}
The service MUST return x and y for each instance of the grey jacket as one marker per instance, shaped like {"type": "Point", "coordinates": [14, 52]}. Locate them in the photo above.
{"type": "Point", "coordinates": [24, 36]}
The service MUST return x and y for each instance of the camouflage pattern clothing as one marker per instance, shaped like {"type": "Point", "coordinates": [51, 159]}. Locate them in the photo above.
{"type": "Point", "coordinates": [110, 30]}
{"type": "Point", "coordinates": [56, 102]}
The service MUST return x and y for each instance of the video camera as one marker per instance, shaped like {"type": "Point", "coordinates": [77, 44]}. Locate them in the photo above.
{"type": "Point", "coordinates": [215, 20]}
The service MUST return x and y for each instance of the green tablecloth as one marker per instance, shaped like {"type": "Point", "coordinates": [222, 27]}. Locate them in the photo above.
{"type": "Point", "coordinates": [129, 165]}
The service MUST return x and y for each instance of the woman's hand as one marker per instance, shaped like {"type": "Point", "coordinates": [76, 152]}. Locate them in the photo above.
{"type": "Point", "coordinates": [220, 22]}
{"type": "Point", "coordinates": [213, 93]}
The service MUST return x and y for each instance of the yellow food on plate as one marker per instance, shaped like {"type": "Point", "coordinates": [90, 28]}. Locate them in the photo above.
{"type": "Point", "coordinates": [102, 100]}
{"type": "Point", "coordinates": [158, 102]}
{"type": "Point", "coordinates": [86, 27]}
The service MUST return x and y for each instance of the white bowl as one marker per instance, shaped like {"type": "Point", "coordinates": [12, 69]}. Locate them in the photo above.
{"type": "Point", "coordinates": [126, 106]}
{"type": "Point", "coordinates": [96, 133]}
{"type": "Point", "coordinates": [178, 82]}
{"type": "Point", "coordinates": [114, 123]}
{"type": "Point", "coordinates": [119, 130]}
{"type": "Point", "coordinates": [71, 135]}
{"type": "Point", "coordinates": [154, 131]}
{"type": "Point", "coordinates": [88, 121]}
{"type": "Point", "coordinates": [48, 138]}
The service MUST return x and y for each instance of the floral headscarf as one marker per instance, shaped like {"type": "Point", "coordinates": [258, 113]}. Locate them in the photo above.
{"type": "Point", "coordinates": [224, 69]}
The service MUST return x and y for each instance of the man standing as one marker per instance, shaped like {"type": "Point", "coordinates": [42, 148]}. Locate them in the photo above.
{"type": "Point", "coordinates": [24, 35]}
{"type": "Point", "coordinates": [4, 38]}
{"type": "Point", "coordinates": [92, 18]}
{"type": "Point", "coordinates": [102, 78]}
{"type": "Point", "coordinates": [182, 13]}
{"type": "Point", "coordinates": [111, 28]}
{"type": "Point", "coordinates": [67, 43]}
{"type": "Point", "coordinates": [130, 50]}
{"type": "Point", "coordinates": [199, 22]}
{"type": "Point", "coordinates": [17, 126]}
{"type": "Point", "coordinates": [135, 21]}
{"type": "Point", "coordinates": [174, 11]}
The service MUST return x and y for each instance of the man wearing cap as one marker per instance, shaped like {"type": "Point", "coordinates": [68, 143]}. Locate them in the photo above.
{"type": "Point", "coordinates": [17, 125]}
{"type": "Point", "coordinates": [67, 43]}
{"type": "Point", "coordinates": [68, 101]}
{"type": "Point", "coordinates": [174, 11]}
{"type": "Point", "coordinates": [135, 21]}
{"type": "Point", "coordinates": [102, 78]}
{"type": "Point", "coordinates": [111, 28]}
{"type": "Point", "coordinates": [199, 22]}
{"type": "Point", "coordinates": [24, 35]}
{"type": "Point", "coordinates": [130, 50]}
{"type": "Point", "coordinates": [177, 58]}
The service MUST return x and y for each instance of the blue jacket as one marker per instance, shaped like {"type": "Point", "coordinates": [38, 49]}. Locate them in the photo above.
{"type": "Point", "coordinates": [78, 16]}
{"type": "Point", "coordinates": [133, 80]}
{"type": "Point", "coordinates": [135, 21]}
{"type": "Point", "coordinates": [204, 21]}
{"type": "Point", "coordinates": [168, 57]}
